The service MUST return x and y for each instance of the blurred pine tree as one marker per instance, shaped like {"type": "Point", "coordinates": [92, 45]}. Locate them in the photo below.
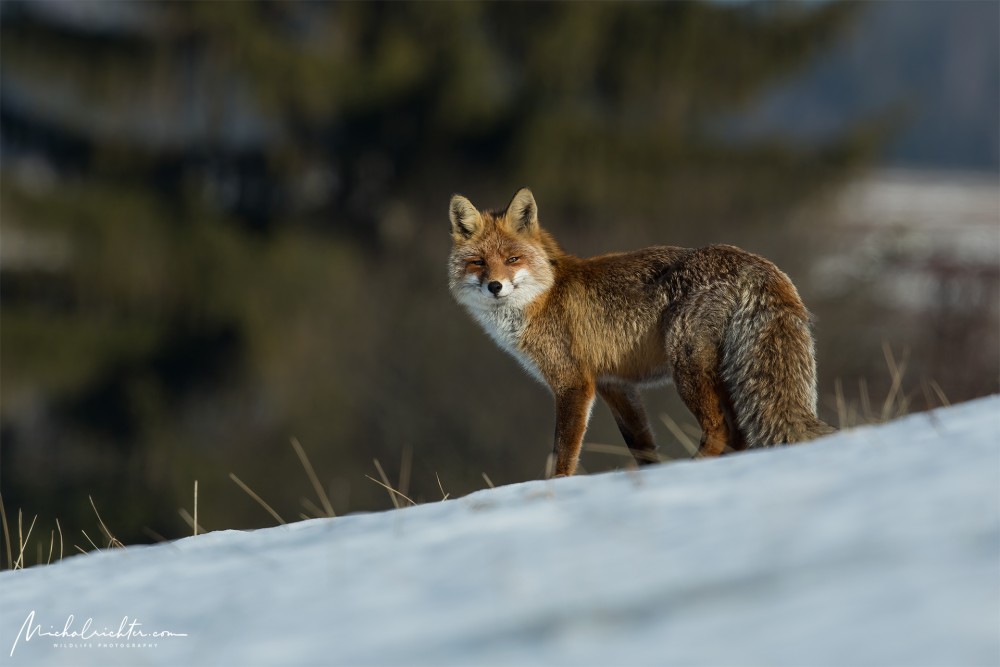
{"type": "Point", "coordinates": [248, 196]}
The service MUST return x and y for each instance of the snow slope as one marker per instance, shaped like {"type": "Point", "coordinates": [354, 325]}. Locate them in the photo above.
{"type": "Point", "coordinates": [877, 546]}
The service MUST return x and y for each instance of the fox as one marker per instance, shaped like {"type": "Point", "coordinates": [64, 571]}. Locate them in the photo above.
{"type": "Point", "coordinates": [724, 324]}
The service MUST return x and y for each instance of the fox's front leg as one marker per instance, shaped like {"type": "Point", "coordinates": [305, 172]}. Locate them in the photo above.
{"type": "Point", "coordinates": [573, 406]}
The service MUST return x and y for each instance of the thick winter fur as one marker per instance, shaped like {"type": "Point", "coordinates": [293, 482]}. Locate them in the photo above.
{"type": "Point", "coordinates": [725, 324]}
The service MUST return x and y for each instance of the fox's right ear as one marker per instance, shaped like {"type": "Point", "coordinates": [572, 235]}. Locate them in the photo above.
{"type": "Point", "coordinates": [465, 220]}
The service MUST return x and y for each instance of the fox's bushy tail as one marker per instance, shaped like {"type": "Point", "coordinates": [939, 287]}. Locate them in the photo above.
{"type": "Point", "coordinates": [769, 363]}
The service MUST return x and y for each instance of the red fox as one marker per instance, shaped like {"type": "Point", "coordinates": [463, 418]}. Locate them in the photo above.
{"type": "Point", "coordinates": [726, 325]}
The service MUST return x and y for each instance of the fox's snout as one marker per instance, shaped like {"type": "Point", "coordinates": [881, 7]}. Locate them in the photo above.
{"type": "Point", "coordinates": [496, 289]}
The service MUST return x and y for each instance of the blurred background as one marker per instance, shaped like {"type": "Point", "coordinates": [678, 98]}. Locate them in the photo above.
{"type": "Point", "coordinates": [224, 224]}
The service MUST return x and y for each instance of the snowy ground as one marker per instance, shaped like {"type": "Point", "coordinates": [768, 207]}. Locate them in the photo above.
{"type": "Point", "coordinates": [879, 546]}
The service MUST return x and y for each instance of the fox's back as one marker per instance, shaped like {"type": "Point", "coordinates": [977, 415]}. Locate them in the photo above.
{"type": "Point", "coordinates": [618, 309]}
{"type": "Point", "coordinates": [607, 312]}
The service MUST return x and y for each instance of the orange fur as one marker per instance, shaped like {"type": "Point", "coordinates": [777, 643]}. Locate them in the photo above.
{"type": "Point", "coordinates": [727, 325]}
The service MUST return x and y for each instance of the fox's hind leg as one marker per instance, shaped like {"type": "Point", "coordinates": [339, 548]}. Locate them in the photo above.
{"type": "Point", "coordinates": [697, 380]}
{"type": "Point", "coordinates": [626, 406]}
{"type": "Point", "coordinates": [737, 441]}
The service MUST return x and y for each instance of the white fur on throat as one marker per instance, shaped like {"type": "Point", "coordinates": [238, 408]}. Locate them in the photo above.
{"type": "Point", "coordinates": [502, 317]}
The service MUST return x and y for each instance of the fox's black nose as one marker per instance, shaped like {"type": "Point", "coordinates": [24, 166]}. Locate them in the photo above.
{"type": "Point", "coordinates": [495, 287]}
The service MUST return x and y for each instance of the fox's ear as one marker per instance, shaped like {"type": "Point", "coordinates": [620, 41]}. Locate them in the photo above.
{"type": "Point", "coordinates": [464, 217]}
{"type": "Point", "coordinates": [522, 211]}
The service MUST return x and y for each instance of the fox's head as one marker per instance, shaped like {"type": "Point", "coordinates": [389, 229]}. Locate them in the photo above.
{"type": "Point", "coordinates": [499, 258]}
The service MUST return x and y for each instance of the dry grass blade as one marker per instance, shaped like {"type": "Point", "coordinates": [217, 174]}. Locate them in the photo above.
{"type": "Point", "coordinates": [59, 528]}
{"type": "Point", "coordinates": [692, 430]}
{"type": "Point", "coordinates": [392, 492]}
{"type": "Point", "coordinates": [152, 533]}
{"type": "Point", "coordinates": [96, 548]}
{"type": "Point", "coordinates": [866, 404]}
{"type": "Point", "coordinates": [679, 433]}
{"type": "Point", "coordinates": [385, 483]}
{"type": "Point", "coordinates": [190, 521]}
{"type": "Point", "coordinates": [112, 540]}
{"type": "Point", "coordinates": [838, 392]}
{"type": "Point", "coordinates": [313, 479]}
{"type": "Point", "coordinates": [405, 466]}
{"type": "Point", "coordinates": [444, 496]}
{"type": "Point", "coordinates": [78, 548]}
{"type": "Point", "coordinates": [904, 399]}
{"type": "Point", "coordinates": [194, 520]}
{"type": "Point", "coordinates": [489, 482]}
{"type": "Point", "coordinates": [903, 404]}
{"type": "Point", "coordinates": [896, 373]}
{"type": "Point", "coordinates": [550, 465]}
{"type": "Point", "coordinates": [52, 544]}
{"type": "Point", "coordinates": [6, 532]}
{"type": "Point", "coordinates": [260, 501]}
{"type": "Point", "coordinates": [602, 448]}
{"type": "Point", "coordinates": [940, 394]}
{"type": "Point", "coordinates": [313, 509]}
{"type": "Point", "coordinates": [23, 542]}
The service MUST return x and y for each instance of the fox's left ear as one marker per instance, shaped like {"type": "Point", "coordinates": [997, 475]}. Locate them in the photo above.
{"type": "Point", "coordinates": [522, 211]}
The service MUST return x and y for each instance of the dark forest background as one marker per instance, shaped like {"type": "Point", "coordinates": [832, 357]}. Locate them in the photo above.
{"type": "Point", "coordinates": [224, 224]}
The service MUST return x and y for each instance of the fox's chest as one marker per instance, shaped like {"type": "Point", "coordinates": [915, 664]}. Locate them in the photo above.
{"type": "Point", "coordinates": [506, 327]}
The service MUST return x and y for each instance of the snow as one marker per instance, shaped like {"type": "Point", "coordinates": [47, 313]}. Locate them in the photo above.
{"type": "Point", "coordinates": [875, 546]}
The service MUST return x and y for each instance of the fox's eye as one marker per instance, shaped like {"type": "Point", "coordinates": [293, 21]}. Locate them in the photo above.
{"type": "Point", "coordinates": [513, 260]}
{"type": "Point", "coordinates": [477, 262]}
